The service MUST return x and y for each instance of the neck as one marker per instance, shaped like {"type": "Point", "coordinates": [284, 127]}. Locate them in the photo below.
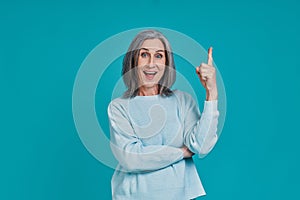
{"type": "Point", "coordinates": [148, 91]}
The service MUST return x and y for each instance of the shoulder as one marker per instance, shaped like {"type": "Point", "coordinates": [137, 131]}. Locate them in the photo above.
{"type": "Point", "coordinates": [119, 103]}
{"type": "Point", "coordinates": [185, 101]}
{"type": "Point", "coordinates": [183, 96]}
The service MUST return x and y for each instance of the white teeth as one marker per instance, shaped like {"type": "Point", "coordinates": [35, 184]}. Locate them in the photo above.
{"type": "Point", "coordinates": [150, 73]}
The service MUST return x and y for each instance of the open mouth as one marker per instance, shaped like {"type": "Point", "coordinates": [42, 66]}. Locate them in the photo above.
{"type": "Point", "coordinates": [150, 74]}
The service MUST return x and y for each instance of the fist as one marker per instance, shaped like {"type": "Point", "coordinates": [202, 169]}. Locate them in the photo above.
{"type": "Point", "coordinates": [186, 152]}
{"type": "Point", "coordinates": [207, 76]}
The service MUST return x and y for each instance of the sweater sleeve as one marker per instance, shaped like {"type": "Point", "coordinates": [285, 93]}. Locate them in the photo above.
{"type": "Point", "coordinates": [200, 130]}
{"type": "Point", "coordinates": [128, 149]}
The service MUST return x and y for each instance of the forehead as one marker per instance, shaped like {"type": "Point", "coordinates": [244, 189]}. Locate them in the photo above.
{"type": "Point", "coordinates": [154, 44]}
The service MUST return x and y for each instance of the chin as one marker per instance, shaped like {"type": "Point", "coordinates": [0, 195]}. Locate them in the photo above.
{"type": "Point", "coordinates": [149, 84]}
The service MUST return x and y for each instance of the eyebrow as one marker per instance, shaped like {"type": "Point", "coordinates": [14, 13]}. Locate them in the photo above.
{"type": "Point", "coordinates": [160, 50]}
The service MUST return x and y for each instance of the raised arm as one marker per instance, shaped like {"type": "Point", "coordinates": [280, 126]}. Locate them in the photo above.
{"type": "Point", "coordinates": [201, 136]}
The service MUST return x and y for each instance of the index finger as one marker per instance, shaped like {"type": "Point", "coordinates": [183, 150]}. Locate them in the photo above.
{"type": "Point", "coordinates": [210, 59]}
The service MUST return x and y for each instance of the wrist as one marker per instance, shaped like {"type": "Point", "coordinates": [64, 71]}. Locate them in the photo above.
{"type": "Point", "coordinates": [211, 94]}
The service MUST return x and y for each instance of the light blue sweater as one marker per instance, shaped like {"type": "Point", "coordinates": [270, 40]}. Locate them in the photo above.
{"type": "Point", "coordinates": [146, 135]}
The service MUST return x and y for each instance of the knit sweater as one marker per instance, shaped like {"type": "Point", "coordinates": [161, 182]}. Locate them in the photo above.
{"type": "Point", "coordinates": [146, 134]}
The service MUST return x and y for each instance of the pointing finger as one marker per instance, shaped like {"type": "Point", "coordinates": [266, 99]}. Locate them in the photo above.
{"type": "Point", "coordinates": [210, 59]}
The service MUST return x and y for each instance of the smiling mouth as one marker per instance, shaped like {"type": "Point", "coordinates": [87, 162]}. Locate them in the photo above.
{"type": "Point", "coordinates": [150, 74]}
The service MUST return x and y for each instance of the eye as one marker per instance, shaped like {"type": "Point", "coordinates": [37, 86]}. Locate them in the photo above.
{"type": "Point", "coordinates": [158, 56]}
{"type": "Point", "coordinates": [144, 54]}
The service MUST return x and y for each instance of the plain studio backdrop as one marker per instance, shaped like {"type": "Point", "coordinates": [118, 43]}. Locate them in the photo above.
{"type": "Point", "coordinates": [42, 45]}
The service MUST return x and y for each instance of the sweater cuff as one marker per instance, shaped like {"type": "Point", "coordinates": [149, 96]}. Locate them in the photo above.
{"type": "Point", "coordinates": [210, 106]}
{"type": "Point", "coordinates": [179, 154]}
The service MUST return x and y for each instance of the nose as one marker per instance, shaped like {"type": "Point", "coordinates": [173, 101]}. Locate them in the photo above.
{"type": "Point", "coordinates": [151, 62]}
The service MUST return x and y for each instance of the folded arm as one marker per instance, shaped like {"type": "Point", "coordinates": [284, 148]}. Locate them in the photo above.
{"type": "Point", "coordinates": [129, 150]}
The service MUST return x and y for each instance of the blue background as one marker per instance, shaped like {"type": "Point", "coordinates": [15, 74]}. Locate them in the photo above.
{"type": "Point", "coordinates": [42, 45]}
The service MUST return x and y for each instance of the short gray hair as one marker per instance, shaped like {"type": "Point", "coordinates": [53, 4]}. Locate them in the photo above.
{"type": "Point", "coordinates": [130, 62]}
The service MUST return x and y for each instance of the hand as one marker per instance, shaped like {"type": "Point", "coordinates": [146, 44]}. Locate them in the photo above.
{"type": "Point", "coordinates": [207, 76]}
{"type": "Point", "coordinates": [186, 152]}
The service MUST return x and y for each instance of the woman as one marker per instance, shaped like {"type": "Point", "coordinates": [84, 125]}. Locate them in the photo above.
{"type": "Point", "coordinates": [155, 131]}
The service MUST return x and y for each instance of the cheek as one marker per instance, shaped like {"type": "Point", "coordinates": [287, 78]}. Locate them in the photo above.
{"type": "Point", "coordinates": [160, 62]}
{"type": "Point", "coordinates": [161, 65]}
{"type": "Point", "coordinates": [139, 70]}
{"type": "Point", "coordinates": [161, 71]}
{"type": "Point", "coordinates": [140, 61]}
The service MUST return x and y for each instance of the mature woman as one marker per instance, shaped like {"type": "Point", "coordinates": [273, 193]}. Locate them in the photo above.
{"type": "Point", "coordinates": [155, 131]}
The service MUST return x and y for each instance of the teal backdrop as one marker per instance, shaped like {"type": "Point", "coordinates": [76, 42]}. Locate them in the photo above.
{"type": "Point", "coordinates": [43, 43]}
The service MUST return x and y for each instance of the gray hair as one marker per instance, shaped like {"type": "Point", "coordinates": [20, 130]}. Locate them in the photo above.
{"type": "Point", "coordinates": [130, 62]}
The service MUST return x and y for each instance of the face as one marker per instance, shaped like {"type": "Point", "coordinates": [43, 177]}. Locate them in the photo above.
{"type": "Point", "coordinates": [151, 63]}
